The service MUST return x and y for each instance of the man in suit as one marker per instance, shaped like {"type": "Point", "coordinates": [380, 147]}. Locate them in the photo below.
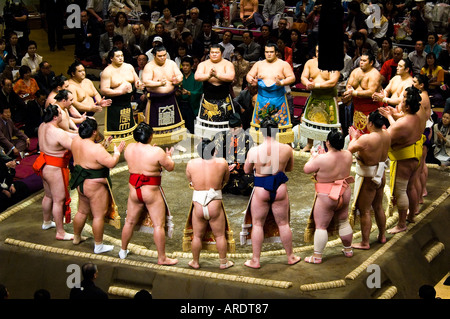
{"type": "Point", "coordinates": [54, 13]}
{"type": "Point", "coordinates": [7, 131]}
{"type": "Point", "coordinates": [9, 98]}
{"type": "Point", "coordinates": [137, 42]}
{"type": "Point", "coordinates": [252, 50]}
{"type": "Point", "coordinates": [208, 36]}
{"type": "Point", "coordinates": [44, 77]}
{"type": "Point", "coordinates": [106, 41]}
{"type": "Point", "coordinates": [194, 47]}
{"type": "Point", "coordinates": [86, 40]}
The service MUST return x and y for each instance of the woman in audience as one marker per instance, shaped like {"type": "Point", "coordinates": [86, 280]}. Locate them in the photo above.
{"type": "Point", "coordinates": [435, 75]}
{"type": "Point", "coordinates": [26, 86]}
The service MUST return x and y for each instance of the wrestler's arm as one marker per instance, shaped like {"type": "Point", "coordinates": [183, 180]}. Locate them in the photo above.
{"type": "Point", "coordinates": [99, 100]}
{"type": "Point", "coordinates": [252, 75]}
{"type": "Point", "coordinates": [201, 74]}
{"type": "Point", "coordinates": [249, 162]}
{"type": "Point", "coordinates": [331, 83]}
{"type": "Point", "coordinates": [178, 76]}
{"type": "Point", "coordinates": [304, 79]}
{"type": "Point", "coordinates": [397, 131]}
{"type": "Point", "coordinates": [373, 85]}
{"type": "Point", "coordinates": [165, 159]}
{"type": "Point", "coordinates": [64, 138]}
{"type": "Point", "coordinates": [147, 78]}
{"type": "Point", "coordinates": [290, 162]}
{"type": "Point", "coordinates": [226, 175]}
{"type": "Point", "coordinates": [80, 107]}
{"type": "Point", "coordinates": [228, 75]}
{"type": "Point", "coordinates": [357, 144]}
{"type": "Point", "coordinates": [313, 165]}
{"type": "Point", "coordinates": [106, 159]}
{"type": "Point", "coordinates": [289, 76]}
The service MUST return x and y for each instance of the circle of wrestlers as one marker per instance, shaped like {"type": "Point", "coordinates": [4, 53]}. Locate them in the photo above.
{"type": "Point", "coordinates": [389, 128]}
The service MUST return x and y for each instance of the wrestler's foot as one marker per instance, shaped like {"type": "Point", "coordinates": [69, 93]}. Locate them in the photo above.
{"type": "Point", "coordinates": [168, 261]}
{"type": "Point", "coordinates": [224, 263]}
{"type": "Point", "coordinates": [48, 225]}
{"type": "Point", "coordinates": [66, 236]}
{"type": "Point", "coordinates": [250, 263]}
{"type": "Point", "coordinates": [101, 248]}
{"type": "Point", "coordinates": [348, 252]}
{"type": "Point", "coordinates": [313, 260]}
{"type": "Point", "coordinates": [293, 260]}
{"type": "Point", "coordinates": [78, 239]}
{"type": "Point", "coordinates": [361, 246]}
{"type": "Point", "coordinates": [123, 253]}
{"type": "Point", "coordinates": [194, 264]}
{"type": "Point", "coordinates": [396, 230]}
{"type": "Point", "coordinates": [382, 239]}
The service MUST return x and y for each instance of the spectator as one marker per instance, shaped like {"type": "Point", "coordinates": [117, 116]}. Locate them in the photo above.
{"type": "Point", "coordinates": [206, 11]}
{"type": "Point", "coordinates": [271, 8]}
{"type": "Point", "coordinates": [441, 134]}
{"type": "Point", "coordinates": [31, 58]}
{"type": "Point", "coordinates": [190, 94]}
{"type": "Point", "coordinates": [389, 68]}
{"type": "Point", "coordinates": [87, 41]}
{"type": "Point", "coordinates": [8, 130]}
{"type": "Point", "coordinates": [218, 11]}
{"type": "Point", "coordinates": [417, 27]}
{"type": "Point", "coordinates": [227, 45]}
{"type": "Point", "coordinates": [194, 23]}
{"type": "Point", "coordinates": [444, 61]}
{"type": "Point", "coordinates": [249, 14]}
{"type": "Point", "coordinates": [418, 57]}
{"type": "Point", "coordinates": [147, 26]}
{"type": "Point", "coordinates": [194, 47]}
{"type": "Point", "coordinates": [117, 6]}
{"type": "Point", "coordinates": [156, 42]}
{"type": "Point", "coordinates": [161, 32]}
{"type": "Point", "coordinates": [26, 86]}
{"type": "Point", "coordinates": [88, 290]}
{"type": "Point", "coordinates": [358, 42]}
{"type": "Point", "coordinates": [391, 13]}
{"type": "Point", "coordinates": [54, 15]}
{"type": "Point", "coordinates": [35, 109]}
{"type": "Point", "coordinates": [241, 68]}
{"type": "Point", "coordinates": [298, 56]}
{"type": "Point", "coordinates": [435, 74]}
{"type": "Point", "coordinates": [106, 41]}
{"type": "Point", "coordinates": [17, 20]}
{"type": "Point", "coordinates": [373, 44]}
{"type": "Point", "coordinates": [4, 293]}
{"type": "Point", "coordinates": [285, 51]}
{"type": "Point", "coordinates": [119, 43]}
{"type": "Point", "coordinates": [378, 32]}
{"type": "Point", "coordinates": [95, 9]}
{"type": "Point", "coordinates": [432, 45]}
{"type": "Point", "coordinates": [167, 20]}
{"type": "Point", "coordinates": [3, 54]}
{"type": "Point", "coordinates": [138, 41]}
{"type": "Point", "coordinates": [123, 27]}
{"type": "Point", "coordinates": [208, 36]}
{"type": "Point", "coordinates": [139, 96]}
{"type": "Point", "coordinates": [9, 98]}
{"type": "Point", "coordinates": [175, 33]}
{"type": "Point", "coordinates": [44, 77]}
{"type": "Point", "coordinates": [282, 31]}
{"type": "Point", "coordinates": [252, 50]}
{"type": "Point", "coordinates": [426, 13]}
{"type": "Point", "coordinates": [348, 64]}
{"type": "Point", "coordinates": [355, 19]}
{"type": "Point", "coordinates": [385, 52]}
{"type": "Point", "coordinates": [11, 70]}
{"type": "Point", "coordinates": [13, 47]}
{"type": "Point", "coordinates": [264, 38]}
{"type": "Point", "coordinates": [181, 53]}
{"type": "Point", "coordinates": [245, 102]}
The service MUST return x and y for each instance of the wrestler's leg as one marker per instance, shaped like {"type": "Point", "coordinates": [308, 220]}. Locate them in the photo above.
{"type": "Point", "coordinates": [405, 170]}
{"type": "Point", "coordinates": [80, 218]}
{"type": "Point", "coordinates": [157, 209]}
{"type": "Point", "coordinates": [99, 199]}
{"type": "Point", "coordinates": [199, 225]}
{"type": "Point", "coordinates": [422, 191]}
{"type": "Point", "coordinates": [345, 230]}
{"type": "Point", "coordinates": [280, 209]}
{"type": "Point", "coordinates": [364, 203]}
{"type": "Point", "coordinates": [260, 208]}
{"type": "Point", "coordinates": [413, 191]}
{"type": "Point", "coordinates": [134, 209]}
{"type": "Point", "coordinates": [217, 223]}
{"type": "Point", "coordinates": [308, 146]}
{"type": "Point", "coordinates": [380, 216]}
{"type": "Point", "coordinates": [323, 214]}
{"type": "Point", "coordinates": [54, 178]}
{"type": "Point", "coordinates": [47, 204]}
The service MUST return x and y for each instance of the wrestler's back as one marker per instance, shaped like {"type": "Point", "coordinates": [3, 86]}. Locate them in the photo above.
{"type": "Point", "coordinates": [376, 147]}
{"type": "Point", "coordinates": [406, 131]}
{"type": "Point", "coordinates": [334, 166]}
{"type": "Point", "coordinates": [144, 159]}
{"type": "Point", "coordinates": [272, 158]}
{"type": "Point", "coordinates": [88, 154]}
{"type": "Point", "coordinates": [48, 136]}
{"type": "Point", "coordinates": [206, 174]}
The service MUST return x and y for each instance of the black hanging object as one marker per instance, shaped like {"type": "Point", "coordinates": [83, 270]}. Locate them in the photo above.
{"type": "Point", "coordinates": [331, 36]}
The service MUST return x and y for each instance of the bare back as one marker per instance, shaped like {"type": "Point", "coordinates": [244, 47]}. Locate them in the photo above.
{"type": "Point", "coordinates": [206, 174]}
{"type": "Point", "coordinates": [405, 131]}
{"type": "Point", "coordinates": [53, 140]}
{"type": "Point", "coordinates": [372, 148]}
{"type": "Point", "coordinates": [88, 154]}
{"type": "Point", "coordinates": [330, 166]}
{"type": "Point", "coordinates": [146, 159]}
{"type": "Point", "coordinates": [269, 158]}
